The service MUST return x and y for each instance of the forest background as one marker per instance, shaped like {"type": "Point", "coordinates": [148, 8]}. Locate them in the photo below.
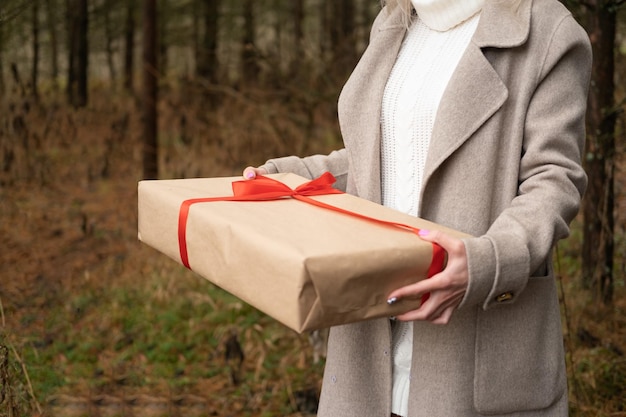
{"type": "Point", "coordinates": [96, 95]}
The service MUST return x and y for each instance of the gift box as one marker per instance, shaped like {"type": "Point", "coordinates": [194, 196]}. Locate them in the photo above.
{"type": "Point", "coordinates": [300, 251]}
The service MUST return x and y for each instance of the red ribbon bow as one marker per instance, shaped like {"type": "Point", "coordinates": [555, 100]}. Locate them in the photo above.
{"type": "Point", "coordinates": [264, 189]}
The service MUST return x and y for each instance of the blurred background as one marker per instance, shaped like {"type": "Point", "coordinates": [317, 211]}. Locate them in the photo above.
{"type": "Point", "coordinates": [96, 95]}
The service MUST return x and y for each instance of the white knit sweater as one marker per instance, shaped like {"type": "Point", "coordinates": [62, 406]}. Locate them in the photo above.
{"type": "Point", "coordinates": [429, 54]}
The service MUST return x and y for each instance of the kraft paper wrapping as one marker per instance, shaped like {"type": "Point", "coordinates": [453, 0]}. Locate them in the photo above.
{"type": "Point", "coordinates": [305, 266]}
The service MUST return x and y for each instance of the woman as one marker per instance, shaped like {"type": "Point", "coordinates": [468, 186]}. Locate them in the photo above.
{"type": "Point", "coordinates": [470, 114]}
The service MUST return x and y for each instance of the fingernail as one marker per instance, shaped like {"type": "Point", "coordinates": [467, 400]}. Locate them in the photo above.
{"type": "Point", "coordinates": [392, 300]}
{"type": "Point", "coordinates": [250, 175]}
{"type": "Point", "coordinates": [423, 232]}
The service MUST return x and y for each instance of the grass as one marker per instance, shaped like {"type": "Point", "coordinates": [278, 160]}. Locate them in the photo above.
{"type": "Point", "coordinates": [595, 337]}
{"type": "Point", "coordinates": [162, 336]}
{"type": "Point", "coordinates": [95, 323]}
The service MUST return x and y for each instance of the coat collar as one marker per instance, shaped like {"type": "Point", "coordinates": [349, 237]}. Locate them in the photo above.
{"type": "Point", "coordinates": [503, 24]}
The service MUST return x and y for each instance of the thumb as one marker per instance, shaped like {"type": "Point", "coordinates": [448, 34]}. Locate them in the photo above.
{"type": "Point", "coordinates": [438, 237]}
{"type": "Point", "coordinates": [250, 173]}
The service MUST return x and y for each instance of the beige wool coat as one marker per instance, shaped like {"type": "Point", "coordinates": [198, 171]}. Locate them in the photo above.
{"type": "Point", "coordinates": [504, 166]}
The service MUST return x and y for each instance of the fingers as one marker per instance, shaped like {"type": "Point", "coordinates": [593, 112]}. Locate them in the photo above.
{"type": "Point", "coordinates": [434, 310]}
{"type": "Point", "coordinates": [446, 288]}
{"type": "Point", "coordinates": [416, 290]}
{"type": "Point", "coordinates": [250, 173]}
{"type": "Point", "coordinates": [445, 296]}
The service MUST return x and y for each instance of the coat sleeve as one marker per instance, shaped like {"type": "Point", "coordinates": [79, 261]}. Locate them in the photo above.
{"type": "Point", "coordinates": [551, 178]}
{"type": "Point", "coordinates": [313, 166]}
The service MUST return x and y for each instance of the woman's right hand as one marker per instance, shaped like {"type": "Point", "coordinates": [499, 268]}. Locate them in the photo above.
{"type": "Point", "coordinates": [250, 173]}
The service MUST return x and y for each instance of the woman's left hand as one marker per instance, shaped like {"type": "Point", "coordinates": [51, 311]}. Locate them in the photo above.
{"type": "Point", "coordinates": [446, 288]}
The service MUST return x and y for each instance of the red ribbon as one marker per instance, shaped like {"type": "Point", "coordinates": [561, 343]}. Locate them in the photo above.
{"type": "Point", "coordinates": [265, 189]}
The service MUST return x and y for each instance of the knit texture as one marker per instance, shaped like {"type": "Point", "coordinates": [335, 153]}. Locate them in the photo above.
{"type": "Point", "coordinates": [414, 89]}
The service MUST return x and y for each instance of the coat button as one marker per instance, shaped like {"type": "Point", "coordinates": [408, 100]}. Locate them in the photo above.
{"type": "Point", "coordinates": [504, 297]}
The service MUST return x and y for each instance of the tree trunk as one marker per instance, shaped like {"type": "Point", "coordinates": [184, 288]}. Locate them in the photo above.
{"type": "Point", "coordinates": [150, 87]}
{"type": "Point", "coordinates": [2, 83]}
{"type": "Point", "coordinates": [342, 36]}
{"type": "Point", "coordinates": [598, 205]}
{"type": "Point", "coordinates": [108, 34]}
{"type": "Point", "coordinates": [275, 77]}
{"type": "Point", "coordinates": [129, 45]}
{"type": "Point", "coordinates": [196, 34]}
{"type": "Point", "coordinates": [298, 18]}
{"type": "Point", "coordinates": [249, 64]}
{"type": "Point", "coordinates": [324, 39]}
{"type": "Point", "coordinates": [78, 25]}
{"type": "Point", "coordinates": [207, 65]}
{"type": "Point", "coordinates": [83, 53]}
{"type": "Point", "coordinates": [298, 35]}
{"type": "Point", "coordinates": [35, 67]}
{"type": "Point", "coordinates": [71, 50]}
{"type": "Point", "coordinates": [54, 50]}
{"type": "Point", "coordinates": [162, 23]}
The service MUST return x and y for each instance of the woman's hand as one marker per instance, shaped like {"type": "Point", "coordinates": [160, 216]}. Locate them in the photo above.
{"type": "Point", "coordinates": [252, 172]}
{"type": "Point", "coordinates": [446, 288]}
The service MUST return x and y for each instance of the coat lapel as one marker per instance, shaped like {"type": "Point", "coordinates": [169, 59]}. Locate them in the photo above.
{"type": "Point", "coordinates": [475, 91]}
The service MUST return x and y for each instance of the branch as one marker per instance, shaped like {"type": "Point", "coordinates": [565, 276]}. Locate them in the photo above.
{"type": "Point", "coordinates": [4, 324]}
{"type": "Point", "coordinates": [30, 386]}
{"type": "Point", "coordinates": [616, 110]}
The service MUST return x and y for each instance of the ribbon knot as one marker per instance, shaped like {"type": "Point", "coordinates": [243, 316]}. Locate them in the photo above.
{"type": "Point", "coordinates": [264, 188]}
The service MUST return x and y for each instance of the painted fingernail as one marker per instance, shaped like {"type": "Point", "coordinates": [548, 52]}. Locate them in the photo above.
{"type": "Point", "coordinates": [392, 300]}
{"type": "Point", "coordinates": [423, 232]}
{"type": "Point", "coordinates": [250, 175]}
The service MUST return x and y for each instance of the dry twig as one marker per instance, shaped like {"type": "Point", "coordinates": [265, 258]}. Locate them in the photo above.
{"type": "Point", "coordinates": [30, 386]}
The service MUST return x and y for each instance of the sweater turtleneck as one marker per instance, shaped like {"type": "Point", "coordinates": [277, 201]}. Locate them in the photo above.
{"type": "Point", "coordinates": [442, 15]}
